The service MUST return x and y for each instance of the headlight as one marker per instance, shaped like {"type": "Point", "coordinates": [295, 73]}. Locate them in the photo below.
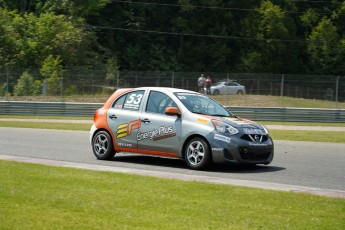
{"type": "Point", "coordinates": [224, 128]}
{"type": "Point", "coordinates": [266, 130]}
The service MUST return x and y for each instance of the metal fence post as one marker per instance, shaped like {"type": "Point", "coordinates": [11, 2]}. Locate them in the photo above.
{"type": "Point", "coordinates": [158, 81]}
{"type": "Point", "coordinates": [282, 87]}
{"type": "Point", "coordinates": [282, 91]}
{"type": "Point", "coordinates": [8, 81]}
{"type": "Point", "coordinates": [336, 92]}
{"type": "Point", "coordinates": [62, 85]}
{"type": "Point", "coordinates": [172, 80]}
{"type": "Point", "coordinates": [258, 87]}
{"type": "Point", "coordinates": [117, 81]}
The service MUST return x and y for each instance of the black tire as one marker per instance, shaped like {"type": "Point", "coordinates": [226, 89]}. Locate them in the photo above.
{"type": "Point", "coordinates": [197, 154]}
{"type": "Point", "coordinates": [240, 92]}
{"type": "Point", "coordinates": [216, 92]}
{"type": "Point", "coordinates": [102, 146]}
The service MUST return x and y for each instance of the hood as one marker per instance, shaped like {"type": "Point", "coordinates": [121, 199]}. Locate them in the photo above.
{"type": "Point", "coordinates": [237, 122]}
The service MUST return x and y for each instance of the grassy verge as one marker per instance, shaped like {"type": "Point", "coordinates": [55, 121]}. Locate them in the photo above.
{"type": "Point", "coordinates": [316, 136]}
{"type": "Point", "coordinates": [291, 123]}
{"type": "Point", "coordinates": [275, 101]}
{"type": "Point", "coordinates": [46, 117]}
{"type": "Point", "coordinates": [45, 125]}
{"type": "Point", "coordinates": [43, 197]}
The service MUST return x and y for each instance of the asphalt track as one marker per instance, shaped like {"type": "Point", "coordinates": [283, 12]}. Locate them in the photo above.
{"type": "Point", "coordinates": [310, 167]}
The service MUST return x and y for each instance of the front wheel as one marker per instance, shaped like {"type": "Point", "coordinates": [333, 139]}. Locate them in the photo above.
{"type": "Point", "coordinates": [102, 146]}
{"type": "Point", "coordinates": [197, 154]}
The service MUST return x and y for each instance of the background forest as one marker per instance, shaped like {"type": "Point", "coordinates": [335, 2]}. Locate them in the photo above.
{"type": "Point", "coordinates": [235, 36]}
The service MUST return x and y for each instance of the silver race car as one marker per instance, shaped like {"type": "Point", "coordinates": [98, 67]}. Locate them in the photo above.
{"type": "Point", "coordinates": [179, 124]}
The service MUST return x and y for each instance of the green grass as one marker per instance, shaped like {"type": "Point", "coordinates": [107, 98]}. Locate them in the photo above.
{"type": "Point", "coordinates": [45, 125]}
{"type": "Point", "coordinates": [316, 136]}
{"type": "Point", "coordinates": [275, 101]}
{"type": "Point", "coordinates": [47, 117]}
{"type": "Point", "coordinates": [292, 123]}
{"type": "Point", "coordinates": [44, 197]}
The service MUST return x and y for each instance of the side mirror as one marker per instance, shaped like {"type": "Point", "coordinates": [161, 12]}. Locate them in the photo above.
{"type": "Point", "coordinates": [172, 111]}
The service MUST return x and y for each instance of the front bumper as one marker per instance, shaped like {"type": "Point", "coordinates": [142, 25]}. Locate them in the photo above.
{"type": "Point", "coordinates": [238, 149]}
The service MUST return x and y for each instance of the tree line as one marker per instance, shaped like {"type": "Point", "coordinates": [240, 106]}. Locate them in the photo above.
{"type": "Point", "coordinates": [268, 36]}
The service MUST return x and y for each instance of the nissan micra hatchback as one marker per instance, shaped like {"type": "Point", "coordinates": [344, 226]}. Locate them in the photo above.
{"type": "Point", "coordinates": [179, 124]}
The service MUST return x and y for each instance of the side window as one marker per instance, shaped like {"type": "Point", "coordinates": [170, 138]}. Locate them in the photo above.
{"type": "Point", "coordinates": [130, 101]}
{"type": "Point", "coordinates": [158, 102]}
{"type": "Point", "coordinates": [119, 102]}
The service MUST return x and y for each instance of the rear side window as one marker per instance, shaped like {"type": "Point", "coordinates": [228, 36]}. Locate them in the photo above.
{"type": "Point", "coordinates": [130, 101]}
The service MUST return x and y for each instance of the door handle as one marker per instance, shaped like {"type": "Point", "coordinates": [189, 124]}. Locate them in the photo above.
{"type": "Point", "coordinates": [146, 120]}
{"type": "Point", "coordinates": [113, 116]}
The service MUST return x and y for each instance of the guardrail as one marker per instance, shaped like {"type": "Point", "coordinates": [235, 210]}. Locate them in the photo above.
{"type": "Point", "coordinates": [48, 108]}
{"type": "Point", "coordinates": [253, 113]}
{"type": "Point", "coordinates": [290, 114]}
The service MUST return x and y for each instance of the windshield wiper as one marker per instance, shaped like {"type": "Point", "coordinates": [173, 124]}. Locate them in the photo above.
{"type": "Point", "coordinates": [201, 113]}
{"type": "Point", "coordinates": [219, 115]}
{"type": "Point", "coordinates": [216, 115]}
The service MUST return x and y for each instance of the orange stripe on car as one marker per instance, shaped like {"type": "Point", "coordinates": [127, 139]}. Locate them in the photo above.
{"type": "Point", "coordinates": [150, 152]}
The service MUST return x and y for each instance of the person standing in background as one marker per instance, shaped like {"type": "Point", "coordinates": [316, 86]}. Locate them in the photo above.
{"type": "Point", "coordinates": [208, 83]}
{"type": "Point", "coordinates": [201, 83]}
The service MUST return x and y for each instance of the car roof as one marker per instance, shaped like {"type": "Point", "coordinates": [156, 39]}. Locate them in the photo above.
{"type": "Point", "coordinates": [173, 90]}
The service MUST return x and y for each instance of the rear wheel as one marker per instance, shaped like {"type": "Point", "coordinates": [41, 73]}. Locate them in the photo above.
{"type": "Point", "coordinates": [216, 92]}
{"type": "Point", "coordinates": [102, 146]}
{"type": "Point", "coordinates": [240, 92]}
{"type": "Point", "coordinates": [197, 154]}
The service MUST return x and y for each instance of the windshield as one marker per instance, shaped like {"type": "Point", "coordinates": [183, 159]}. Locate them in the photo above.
{"type": "Point", "coordinates": [201, 104]}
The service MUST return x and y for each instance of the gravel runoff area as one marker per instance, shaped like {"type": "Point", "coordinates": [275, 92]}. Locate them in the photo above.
{"type": "Point", "coordinates": [275, 127]}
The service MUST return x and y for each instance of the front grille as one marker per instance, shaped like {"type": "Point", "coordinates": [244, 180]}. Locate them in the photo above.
{"type": "Point", "coordinates": [255, 155]}
{"type": "Point", "coordinates": [254, 138]}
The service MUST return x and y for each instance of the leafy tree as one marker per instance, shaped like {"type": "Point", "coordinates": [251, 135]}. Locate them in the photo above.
{"type": "Point", "coordinates": [76, 8]}
{"type": "Point", "coordinates": [277, 36]}
{"type": "Point", "coordinates": [3, 89]}
{"type": "Point", "coordinates": [309, 19]}
{"type": "Point", "coordinates": [51, 70]}
{"type": "Point", "coordinates": [275, 33]}
{"type": "Point", "coordinates": [27, 86]}
{"type": "Point", "coordinates": [51, 66]}
{"type": "Point", "coordinates": [112, 70]}
{"type": "Point", "coordinates": [9, 51]}
{"type": "Point", "coordinates": [324, 48]}
{"type": "Point", "coordinates": [27, 40]}
{"type": "Point", "coordinates": [54, 85]}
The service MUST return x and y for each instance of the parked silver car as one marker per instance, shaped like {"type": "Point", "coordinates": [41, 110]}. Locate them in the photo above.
{"type": "Point", "coordinates": [177, 123]}
{"type": "Point", "coordinates": [230, 87]}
